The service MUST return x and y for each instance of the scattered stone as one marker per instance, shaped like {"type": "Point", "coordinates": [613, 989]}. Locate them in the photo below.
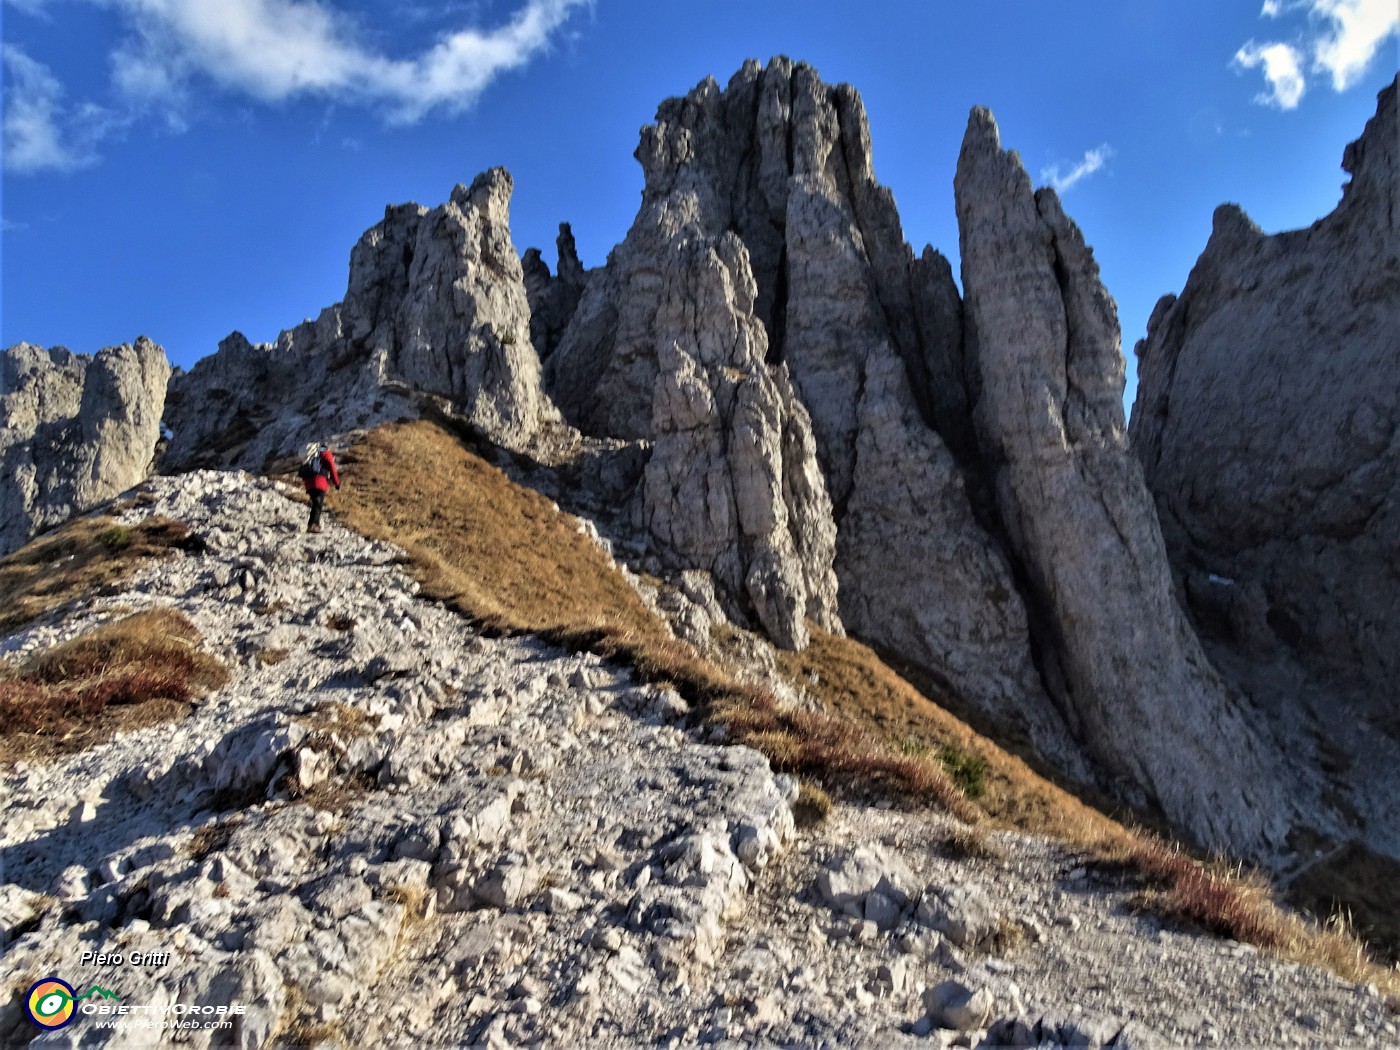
{"type": "Point", "coordinates": [953, 1004]}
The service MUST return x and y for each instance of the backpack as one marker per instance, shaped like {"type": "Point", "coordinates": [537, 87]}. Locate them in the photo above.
{"type": "Point", "coordinates": [311, 465]}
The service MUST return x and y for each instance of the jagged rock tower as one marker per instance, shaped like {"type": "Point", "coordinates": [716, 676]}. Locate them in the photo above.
{"type": "Point", "coordinates": [436, 305]}
{"type": "Point", "coordinates": [1268, 427]}
{"type": "Point", "coordinates": [774, 173]}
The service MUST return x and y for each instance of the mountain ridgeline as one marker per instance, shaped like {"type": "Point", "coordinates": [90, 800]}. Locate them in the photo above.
{"type": "Point", "coordinates": [766, 387]}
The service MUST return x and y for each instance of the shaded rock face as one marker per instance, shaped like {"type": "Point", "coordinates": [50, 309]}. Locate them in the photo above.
{"type": "Point", "coordinates": [77, 430]}
{"type": "Point", "coordinates": [436, 305]}
{"type": "Point", "coordinates": [1043, 342]}
{"type": "Point", "coordinates": [553, 298]}
{"type": "Point", "coordinates": [859, 338]}
{"type": "Point", "coordinates": [1268, 428]}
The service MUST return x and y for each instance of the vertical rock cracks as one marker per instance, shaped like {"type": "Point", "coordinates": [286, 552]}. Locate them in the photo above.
{"type": "Point", "coordinates": [839, 438]}
{"type": "Point", "coordinates": [1049, 420]}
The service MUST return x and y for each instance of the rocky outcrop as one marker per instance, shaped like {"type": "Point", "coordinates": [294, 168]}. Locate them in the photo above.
{"type": "Point", "coordinates": [411, 832]}
{"type": "Point", "coordinates": [777, 166]}
{"type": "Point", "coordinates": [1043, 343]}
{"type": "Point", "coordinates": [1268, 428]}
{"type": "Point", "coordinates": [436, 305]}
{"type": "Point", "coordinates": [732, 485]}
{"type": "Point", "coordinates": [553, 298]}
{"type": "Point", "coordinates": [77, 430]}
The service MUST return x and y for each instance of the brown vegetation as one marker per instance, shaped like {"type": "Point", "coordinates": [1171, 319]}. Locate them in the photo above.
{"type": "Point", "coordinates": [137, 671]}
{"type": "Point", "coordinates": [509, 560]}
{"type": "Point", "coordinates": [1230, 902]}
{"type": "Point", "coordinates": [851, 680]}
{"type": "Point", "coordinates": [512, 562]}
{"type": "Point", "coordinates": [82, 558]}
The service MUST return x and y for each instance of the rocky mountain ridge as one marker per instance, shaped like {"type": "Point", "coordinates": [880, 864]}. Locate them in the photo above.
{"type": "Point", "coordinates": [787, 405]}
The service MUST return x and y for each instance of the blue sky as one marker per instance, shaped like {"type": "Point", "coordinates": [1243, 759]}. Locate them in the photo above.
{"type": "Point", "coordinates": [184, 168]}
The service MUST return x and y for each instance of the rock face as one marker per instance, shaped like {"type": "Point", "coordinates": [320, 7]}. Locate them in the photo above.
{"type": "Point", "coordinates": [1269, 432]}
{"type": "Point", "coordinates": [1043, 344]}
{"type": "Point", "coordinates": [77, 430]}
{"type": "Point", "coordinates": [771, 180]}
{"type": "Point", "coordinates": [553, 299]}
{"type": "Point", "coordinates": [436, 305]}
{"type": "Point", "coordinates": [732, 485]}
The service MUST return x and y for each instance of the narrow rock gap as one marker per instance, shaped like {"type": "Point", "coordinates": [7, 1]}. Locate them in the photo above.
{"type": "Point", "coordinates": [777, 325]}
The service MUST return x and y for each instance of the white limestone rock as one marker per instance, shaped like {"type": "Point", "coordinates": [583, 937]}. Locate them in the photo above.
{"type": "Point", "coordinates": [75, 430]}
{"type": "Point", "coordinates": [436, 306]}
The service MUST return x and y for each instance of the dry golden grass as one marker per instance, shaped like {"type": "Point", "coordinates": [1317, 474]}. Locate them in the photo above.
{"type": "Point", "coordinates": [137, 671]}
{"type": "Point", "coordinates": [79, 559]}
{"type": "Point", "coordinates": [971, 842]}
{"type": "Point", "coordinates": [499, 553]}
{"type": "Point", "coordinates": [851, 680]}
{"type": "Point", "coordinates": [812, 807]}
{"type": "Point", "coordinates": [504, 557]}
{"type": "Point", "coordinates": [1237, 904]}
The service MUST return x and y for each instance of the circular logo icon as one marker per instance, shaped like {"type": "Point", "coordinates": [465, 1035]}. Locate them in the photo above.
{"type": "Point", "coordinates": [49, 1003]}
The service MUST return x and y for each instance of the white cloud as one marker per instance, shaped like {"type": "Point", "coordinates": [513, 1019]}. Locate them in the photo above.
{"type": "Point", "coordinates": [1356, 31]}
{"type": "Point", "coordinates": [275, 50]}
{"type": "Point", "coordinates": [1092, 161]}
{"type": "Point", "coordinates": [1342, 36]}
{"type": "Point", "coordinates": [268, 50]}
{"type": "Point", "coordinates": [1283, 71]}
{"type": "Point", "coordinates": [41, 132]}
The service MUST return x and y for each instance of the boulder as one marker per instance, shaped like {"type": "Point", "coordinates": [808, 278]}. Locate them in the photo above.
{"type": "Point", "coordinates": [1043, 345]}
{"type": "Point", "coordinates": [76, 430]}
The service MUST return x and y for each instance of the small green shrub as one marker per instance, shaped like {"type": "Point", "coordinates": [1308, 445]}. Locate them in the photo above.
{"type": "Point", "coordinates": [115, 538]}
{"type": "Point", "coordinates": [968, 772]}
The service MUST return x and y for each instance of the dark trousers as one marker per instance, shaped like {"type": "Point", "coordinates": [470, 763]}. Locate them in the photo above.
{"type": "Point", "coordinates": [318, 501]}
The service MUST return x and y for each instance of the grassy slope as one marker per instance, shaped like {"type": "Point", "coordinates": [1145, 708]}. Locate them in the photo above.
{"type": "Point", "coordinates": [505, 557]}
{"type": "Point", "coordinates": [135, 672]}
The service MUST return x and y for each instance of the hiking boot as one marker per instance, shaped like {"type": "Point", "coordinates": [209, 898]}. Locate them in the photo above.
{"type": "Point", "coordinates": [313, 528]}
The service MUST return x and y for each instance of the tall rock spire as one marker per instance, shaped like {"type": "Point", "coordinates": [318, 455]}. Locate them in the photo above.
{"type": "Point", "coordinates": [1044, 344]}
{"type": "Point", "coordinates": [862, 348]}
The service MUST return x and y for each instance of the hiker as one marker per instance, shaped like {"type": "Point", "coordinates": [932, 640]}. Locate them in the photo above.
{"type": "Point", "coordinates": [318, 474]}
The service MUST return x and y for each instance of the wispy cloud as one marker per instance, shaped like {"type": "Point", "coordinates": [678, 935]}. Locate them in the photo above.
{"type": "Point", "coordinates": [273, 50]}
{"type": "Point", "coordinates": [1283, 72]}
{"type": "Point", "coordinates": [1091, 162]}
{"type": "Point", "coordinates": [38, 8]}
{"type": "Point", "coordinates": [42, 132]}
{"type": "Point", "coordinates": [269, 51]}
{"type": "Point", "coordinates": [1341, 36]}
{"type": "Point", "coordinates": [1355, 31]}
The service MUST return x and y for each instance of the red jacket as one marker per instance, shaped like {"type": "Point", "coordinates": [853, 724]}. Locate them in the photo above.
{"type": "Point", "coordinates": [320, 482]}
